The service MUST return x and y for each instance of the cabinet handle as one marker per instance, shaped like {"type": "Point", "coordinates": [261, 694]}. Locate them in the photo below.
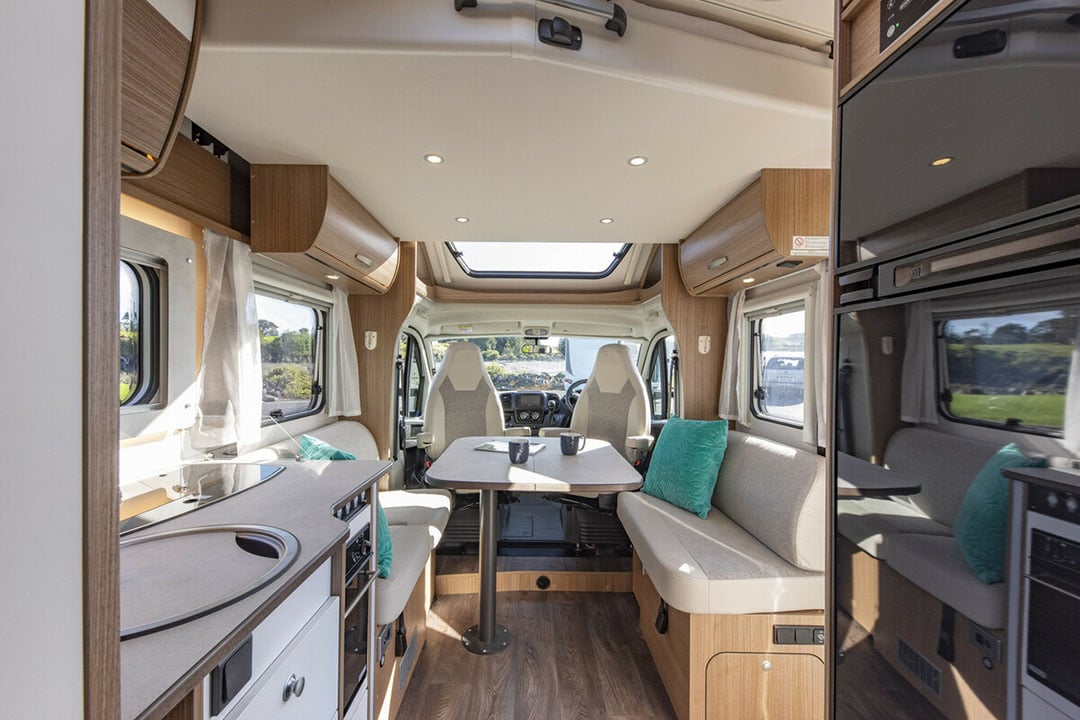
{"type": "Point", "coordinates": [294, 686]}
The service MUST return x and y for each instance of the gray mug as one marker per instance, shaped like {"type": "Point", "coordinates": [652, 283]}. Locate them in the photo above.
{"type": "Point", "coordinates": [519, 451]}
{"type": "Point", "coordinates": [571, 442]}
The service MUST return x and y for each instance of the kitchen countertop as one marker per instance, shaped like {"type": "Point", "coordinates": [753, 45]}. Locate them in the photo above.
{"type": "Point", "coordinates": [158, 669]}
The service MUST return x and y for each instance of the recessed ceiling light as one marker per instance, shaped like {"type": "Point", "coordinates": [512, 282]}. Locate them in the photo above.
{"type": "Point", "coordinates": [941, 161]}
{"type": "Point", "coordinates": [606, 221]}
{"type": "Point", "coordinates": [462, 219]}
{"type": "Point", "coordinates": [748, 280]}
{"type": "Point", "coordinates": [333, 277]}
{"type": "Point", "coordinates": [434, 159]}
{"type": "Point", "coordinates": [638, 160]}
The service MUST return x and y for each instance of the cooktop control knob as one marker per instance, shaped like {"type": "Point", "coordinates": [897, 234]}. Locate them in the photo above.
{"type": "Point", "coordinates": [1052, 500]}
{"type": "Point", "coordinates": [1071, 503]}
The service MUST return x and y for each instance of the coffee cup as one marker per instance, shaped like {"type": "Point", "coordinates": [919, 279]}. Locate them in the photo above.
{"type": "Point", "coordinates": [571, 442]}
{"type": "Point", "coordinates": [519, 451]}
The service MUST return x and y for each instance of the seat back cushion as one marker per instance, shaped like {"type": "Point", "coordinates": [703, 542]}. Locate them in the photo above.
{"type": "Point", "coordinates": [777, 494]}
{"type": "Point", "coordinates": [614, 403]}
{"type": "Point", "coordinates": [462, 400]}
{"type": "Point", "coordinates": [944, 464]}
{"type": "Point", "coordinates": [350, 436]}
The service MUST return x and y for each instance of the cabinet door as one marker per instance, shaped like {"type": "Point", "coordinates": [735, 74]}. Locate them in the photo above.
{"type": "Point", "coordinates": [765, 686]}
{"type": "Point", "coordinates": [312, 657]}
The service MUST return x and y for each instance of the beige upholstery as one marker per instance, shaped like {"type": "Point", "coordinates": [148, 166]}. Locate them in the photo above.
{"type": "Point", "coordinates": [412, 548]}
{"type": "Point", "coordinates": [762, 546]}
{"type": "Point", "coordinates": [614, 404]}
{"type": "Point", "coordinates": [428, 508]}
{"type": "Point", "coordinates": [462, 400]}
{"type": "Point", "coordinates": [867, 522]}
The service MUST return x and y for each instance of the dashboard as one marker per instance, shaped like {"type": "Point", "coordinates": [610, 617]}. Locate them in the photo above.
{"type": "Point", "coordinates": [534, 409]}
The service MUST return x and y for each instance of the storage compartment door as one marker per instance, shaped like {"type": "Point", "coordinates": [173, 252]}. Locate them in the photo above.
{"type": "Point", "coordinates": [765, 686]}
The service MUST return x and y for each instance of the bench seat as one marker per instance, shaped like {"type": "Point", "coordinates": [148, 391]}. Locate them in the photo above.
{"type": "Point", "coordinates": [713, 565]}
{"type": "Point", "coordinates": [867, 522]}
{"type": "Point", "coordinates": [429, 508]}
{"type": "Point", "coordinates": [412, 549]}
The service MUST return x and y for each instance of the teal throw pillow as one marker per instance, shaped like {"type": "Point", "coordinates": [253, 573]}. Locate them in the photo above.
{"type": "Point", "coordinates": [980, 524]}
{"type": "Point", "coordinates": [685, 462]}
{"type": "Point", "coordinates": [315, 449]}
{"type": "Point", "coordinates": [385, 550]}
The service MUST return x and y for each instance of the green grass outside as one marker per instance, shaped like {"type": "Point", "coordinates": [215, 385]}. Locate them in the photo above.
{"type": "Point", "coordinates": [1039, 410]}
{"type": "Point", "coordinates": [125, 391]}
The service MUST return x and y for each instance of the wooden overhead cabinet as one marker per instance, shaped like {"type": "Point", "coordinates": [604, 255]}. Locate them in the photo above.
{"type": "Point", "coordinates": [304, 218]}
{"type": "Point", "coordinates": [778, 224]}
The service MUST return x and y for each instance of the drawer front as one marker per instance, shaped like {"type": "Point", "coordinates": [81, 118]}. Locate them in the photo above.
{"type": "Point", "coordinates": [311, 658]}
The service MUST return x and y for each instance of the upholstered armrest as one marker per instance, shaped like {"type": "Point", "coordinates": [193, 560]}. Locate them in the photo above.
{"type": "Point", "coordinates": [424, 440]}
{"type": "Point", "coordinates": [517, 432]}
{"type": "Point", "coordinates": [637, 446]}
{"type": "Point", "coordinates": [552, 431]}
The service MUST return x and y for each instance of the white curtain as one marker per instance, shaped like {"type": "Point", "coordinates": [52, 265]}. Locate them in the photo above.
{"type": "Point", "coordinates": [819, 319]}
{"type": "Point", "coordinates": [343, 388]}
{"type": "Point", "coordinates": [731, 405]}
{"type": "Point", "coordinates": [918, 385]}
{"type": "Point", "coordinates": [230, 379]}
{"type": "Point", "coordinates": [1072, 400]}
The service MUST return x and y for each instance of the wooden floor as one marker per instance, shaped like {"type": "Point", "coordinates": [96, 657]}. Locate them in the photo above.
{"type": "Point", "coordinates": [868, 688]}
{"type": "Point", "coordinates": [574, 655]}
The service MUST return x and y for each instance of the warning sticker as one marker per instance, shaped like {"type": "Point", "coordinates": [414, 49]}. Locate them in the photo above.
{"type": "Point", "coordinates": [810, 245]}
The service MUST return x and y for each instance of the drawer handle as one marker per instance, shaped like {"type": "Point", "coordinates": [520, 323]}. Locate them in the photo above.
{"type": "Point", "coordinates": [295, 686]}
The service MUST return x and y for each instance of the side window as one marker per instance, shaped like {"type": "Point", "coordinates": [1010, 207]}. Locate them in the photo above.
{"type": "Point", "coordinates": [779, 343]}
{"type": "Point", "coordinates": [412, 389]}
{"type": "Point", "coordinates": [661, 382]}
{"type": "Point", "coordinates": [139, 332]}
{"type": "Point", "coordinates": [293, 356]}
{"type": "Point", "coordinates": [1008, 371]}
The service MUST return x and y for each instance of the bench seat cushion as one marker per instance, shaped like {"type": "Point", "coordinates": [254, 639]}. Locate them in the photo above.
{"type": "Point", "coordinates": [713, 565]}
{"type": "Point", "coordinates": [867, 522]}
{"type": "Point", "coordinates": [412, 548]}
{"type": "Point", "coordinates": [421, 508]}
{"type": "Point", "coordinates": [934, 563]}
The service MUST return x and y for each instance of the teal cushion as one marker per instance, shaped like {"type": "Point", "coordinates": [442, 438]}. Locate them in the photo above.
{"type": "Point", "coordinates": [315, 449]}
{"type": "Point", "coordinates": [385, 550]}
{"type": "Point", "coordinates": [685, 463]}
{"type": "Point", "coordinates": [980, 524]}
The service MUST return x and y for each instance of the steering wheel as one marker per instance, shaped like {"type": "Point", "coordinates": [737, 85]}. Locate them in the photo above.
{"type": "Point", "coordinates": [570, 397]}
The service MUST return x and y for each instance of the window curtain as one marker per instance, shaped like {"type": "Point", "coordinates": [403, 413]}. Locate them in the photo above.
{"type": "Point", "coordinates": [343, 388]}
{"type": "Point", "coordinates": [1072, 400]}
{"type": "Point", "coordinates": [732, 406]}
{"type": "Point", "coordinates": [230, 379]}
{"type": "Point", "coordinates": [819, 318]}
{"type": "Point", "coordinates": [918, 384]}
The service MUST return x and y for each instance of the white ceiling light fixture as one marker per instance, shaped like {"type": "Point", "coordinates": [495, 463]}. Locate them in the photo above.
{"type": "Point", "coordinates": [748, 280]}
{"type": "Point", "coordinates": [461, 219]}
{"type": "Point", "coordinates": [333, 277]}
{"type": "Point", "coordinates": [606, 220]}
{"type": "Point", "coordinates": [434, 159]}
{"type": "Point", "coordinates": [637, 161]}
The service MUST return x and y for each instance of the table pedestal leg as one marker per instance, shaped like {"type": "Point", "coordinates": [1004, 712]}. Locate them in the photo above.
{"type": "Point", "coordinates": [488, 637]}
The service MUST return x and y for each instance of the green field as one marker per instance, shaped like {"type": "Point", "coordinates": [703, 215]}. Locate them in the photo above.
{"type": "Point", "coordinates": [1039, 410]}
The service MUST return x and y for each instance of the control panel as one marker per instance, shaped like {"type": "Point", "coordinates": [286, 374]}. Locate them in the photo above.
{"type": "Point", "coordinates": [351, 506]}
{"type": "Point", "coordinates": [1054, 549]}
{"type": "Point", "coordinates": [897, 16]}
{"type": "Point", "coordinates": [798, 635]}
{"type": "Point", "coordinates": [1060, 504]}
{"type": "Point", "coordinates": [530, 408]}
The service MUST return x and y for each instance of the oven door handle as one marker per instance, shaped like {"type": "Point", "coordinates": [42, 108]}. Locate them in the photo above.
{"type": "Point", "coordinates": [1052, 586]}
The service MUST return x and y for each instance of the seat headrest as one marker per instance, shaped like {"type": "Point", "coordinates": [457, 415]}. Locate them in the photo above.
{"type": "Point", "coordinates": [613, 367]}
{"type": "Point", "coordinates": [463, 366]}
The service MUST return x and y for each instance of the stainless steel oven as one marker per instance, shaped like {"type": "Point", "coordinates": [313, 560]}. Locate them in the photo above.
{"type": "Point", "coordinates": [1051, 610]}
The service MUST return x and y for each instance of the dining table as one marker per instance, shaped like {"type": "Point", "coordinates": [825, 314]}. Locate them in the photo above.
{"type": "Point", "coordinates": [596, 468]}
{"type": "Point", "coordinates": [858, 478]}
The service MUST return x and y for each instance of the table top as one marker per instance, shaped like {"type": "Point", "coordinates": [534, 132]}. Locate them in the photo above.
{"type": "Point", "coordinates": [598, 467]}
{"type": "Point", "coordinates": [856, 478]}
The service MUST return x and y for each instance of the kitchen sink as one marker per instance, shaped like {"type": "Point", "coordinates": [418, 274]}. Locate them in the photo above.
{"type": "Point", "coordinates": [170, 578]}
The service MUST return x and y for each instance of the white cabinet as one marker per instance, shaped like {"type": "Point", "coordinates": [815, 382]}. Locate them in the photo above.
{"type": "Point", "coordinates": [302, 683]}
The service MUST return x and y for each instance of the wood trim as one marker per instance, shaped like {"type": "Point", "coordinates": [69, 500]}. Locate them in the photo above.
{"type": "Point", "coordinates": [190, 708]}
{"type": "Point", "coordinates": [690, 318]}
{"type": "Point", "coordinates": [858, 588]}
{"type": "Point", "coordinates": [101, 363]}
{"type": "Point", "coordinates": [385, 314]}
{"type": "Point", "coordinates": [525, 581]}
{"type": "Point", "coordinates": [185, 93]}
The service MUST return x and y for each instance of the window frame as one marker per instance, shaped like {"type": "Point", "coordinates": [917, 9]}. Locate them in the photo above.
{"type": "Point", "coordinates": [754, 368]}
{"type": "Point", "coordinates": [667, 382]}
{"type": "Point", "coordinates": [941, 371]}
{"type": "Point", "coordinates": [320, 364]}
{"type": "Point", "coordinates": [413, 353]}
{"type": "Point", "coordinates": [148, 274]}
{"type": "Point", "coordinates": [536, 275]}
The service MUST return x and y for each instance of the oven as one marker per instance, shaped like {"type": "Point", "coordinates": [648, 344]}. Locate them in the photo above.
{"type": "Point", "coordinates": [357, 623]}
{"type": "Point", "coordinates": [1050, 666]}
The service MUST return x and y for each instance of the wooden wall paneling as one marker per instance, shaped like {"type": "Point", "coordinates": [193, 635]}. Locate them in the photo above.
{"type": "Point", "coordinates": [194, 185]}
{"type": "Point", "coordinates": [739, 686]}
{"type": "Point", "coordinates": [190, 708]}
{"type": "Point", "coordinates": [884, 374]}
{"type": "Point", "coordinates": [691, 318]}
{"type": "Point", "coordinates": [101, 364]}
{"type": "Point", "coordinates": [384, 314]}
{"type": "Point", "coordinates": [858, 589]}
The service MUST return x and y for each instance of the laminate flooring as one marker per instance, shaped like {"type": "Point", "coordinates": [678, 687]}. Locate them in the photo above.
{"type": "Point", "coordinates": [574, 656]}
{"type": "Point", "coordinates": [868, 688]}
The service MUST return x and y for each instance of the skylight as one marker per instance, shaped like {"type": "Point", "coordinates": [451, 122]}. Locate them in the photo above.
{"type": "Point", "coordinates": [537, 259]}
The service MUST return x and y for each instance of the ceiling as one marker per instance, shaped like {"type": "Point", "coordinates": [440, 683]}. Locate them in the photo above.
{"type": "Point", "coordinates": [535, 139]}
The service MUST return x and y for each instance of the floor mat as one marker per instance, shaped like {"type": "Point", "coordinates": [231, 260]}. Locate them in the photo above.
{"type": "Point", "coordinates": [528, 521]}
